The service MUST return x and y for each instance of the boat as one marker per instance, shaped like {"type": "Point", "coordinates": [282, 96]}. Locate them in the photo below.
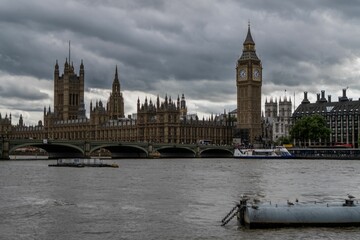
{"type": "Point", "coordinates": [254, 215]}
{"type": "Point", "coordinates": [325, 153]}
{"type": "Point", "coordinates": [273, 153]}
{"type": "Point", "coordinates": [82, 162]}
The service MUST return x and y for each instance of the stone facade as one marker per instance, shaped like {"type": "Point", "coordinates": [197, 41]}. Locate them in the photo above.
{"type": "Point", "coordinates": [342, 118]}
{"type": "Point", "coordinates": [163, 122]}
{"type": "Point", "coordinates": [249, 82]}
{"type": "Point", "coordinates": [277, 119]}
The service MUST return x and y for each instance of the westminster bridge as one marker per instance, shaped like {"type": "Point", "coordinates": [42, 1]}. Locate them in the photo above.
{"type": "Point", "coordinates": [83, 149]}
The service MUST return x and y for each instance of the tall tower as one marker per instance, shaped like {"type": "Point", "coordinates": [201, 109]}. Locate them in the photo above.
{"type": "Point", "coordinates": [68, 92]}
{"type": "Point", "coordinates": [115, 105]}
{"type": "Point", "coordinates": [271, 108]}
{"type": "Point", "coordinates": [249, 82]}
{"type": "Point", "coordinates": [183, 108]}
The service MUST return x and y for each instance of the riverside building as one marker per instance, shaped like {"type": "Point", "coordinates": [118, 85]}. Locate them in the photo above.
{"type": "Point", "coordinates": [161, 121]}
{"type": "Point", "coordinates": [342, 117]}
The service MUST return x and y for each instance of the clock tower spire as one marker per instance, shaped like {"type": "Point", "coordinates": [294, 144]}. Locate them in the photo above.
{"type": "Point", "coordinates": [249, 82]}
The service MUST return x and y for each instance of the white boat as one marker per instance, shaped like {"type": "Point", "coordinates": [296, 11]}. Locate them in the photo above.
{"type": "Point", "coordinates": [273, 153]}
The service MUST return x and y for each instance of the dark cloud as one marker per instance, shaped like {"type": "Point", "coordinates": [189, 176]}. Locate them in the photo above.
{"type": "Point", "coordinates": [23, 89]}
{"type": "Point", "coordinates": [177, 47]}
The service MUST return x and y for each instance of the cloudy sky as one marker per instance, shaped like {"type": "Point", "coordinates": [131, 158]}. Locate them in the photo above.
{"type": "Point", "coordinates": [174, 47]}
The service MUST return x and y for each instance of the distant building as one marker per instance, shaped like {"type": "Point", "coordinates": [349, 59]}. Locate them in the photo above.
{"type": "Point", "coordinates": [342, 118]}
{"type": "Point", "coordinates": [5, 125]}
{"type": "Point", "coordinates": [277, 119]}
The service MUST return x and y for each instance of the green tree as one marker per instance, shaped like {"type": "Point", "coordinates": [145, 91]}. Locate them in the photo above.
{"type": "Point", "coordinates": [310, 128]}
{"type": "Point", "coordinates": [283, 140]}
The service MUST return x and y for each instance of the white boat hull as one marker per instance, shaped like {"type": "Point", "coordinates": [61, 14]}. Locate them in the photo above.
{"type": "Point", "coordinates": [276, 153]}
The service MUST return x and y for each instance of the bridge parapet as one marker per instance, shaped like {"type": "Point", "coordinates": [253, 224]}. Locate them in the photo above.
{"type": "Point", "coordinates": [76, 148]}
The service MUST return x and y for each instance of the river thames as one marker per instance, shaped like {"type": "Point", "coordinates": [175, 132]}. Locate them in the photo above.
{"type": "Point", "coordinates": [164, 198]}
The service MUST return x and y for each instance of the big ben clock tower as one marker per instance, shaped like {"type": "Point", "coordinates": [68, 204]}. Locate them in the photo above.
{"type": "Point", "coordinates": [249, 82]}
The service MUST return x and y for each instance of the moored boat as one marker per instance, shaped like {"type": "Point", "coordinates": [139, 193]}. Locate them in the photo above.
{"type": "Point", "coordinates": [255, 215]}
{"type": "Point", "coordinates": [82, 162]}
{"type": "Point", "coordinates": [273, 153]}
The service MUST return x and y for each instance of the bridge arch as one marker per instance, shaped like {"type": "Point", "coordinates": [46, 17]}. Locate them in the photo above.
{"type": "Point", "coordinates": [123, 151]}
{"type": "Point", "coordinates": [216, 153]}
{"type": "Point", "coordinates": [54, 150]}
{"type": "Point", "coordinates": [173, 152]}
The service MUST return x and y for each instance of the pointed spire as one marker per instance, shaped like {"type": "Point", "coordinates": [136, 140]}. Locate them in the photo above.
{"type": "Point", "coordinates": [157, 102]}
{"type": "Point", "coordinates": [183, 102]}
{"type": "Point", "coordinates": [249, 39]}
{"type": "Point", "coordinates": [56, 71]}
{"type": "Point", "coordinates": [69, 51]}
{"type": "Point", "coordinates": [81, 71]}
{"type": "Point", "coordinates": [66, 64]}
{"type": "Point", "coordinates": [116, 83]}
{"type": "Point", "coordinates": [249, 52]}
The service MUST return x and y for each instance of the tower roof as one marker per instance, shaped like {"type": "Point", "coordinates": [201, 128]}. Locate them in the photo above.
{"type": "Point", "coordinates": [249, 39]}
{"type": "Point", "coordinates": [249, 52]}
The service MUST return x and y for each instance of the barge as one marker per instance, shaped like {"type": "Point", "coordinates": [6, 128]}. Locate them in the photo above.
{"type": "Point", "coordinates": [296, 214]}
{"type": "Point", "coordinates": [82, 162]}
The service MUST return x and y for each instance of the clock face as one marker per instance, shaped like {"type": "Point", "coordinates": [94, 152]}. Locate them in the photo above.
{"type": "Point", "coordinates": [257, 74]}
{"type": "Point", "coordinates": [243, 74]}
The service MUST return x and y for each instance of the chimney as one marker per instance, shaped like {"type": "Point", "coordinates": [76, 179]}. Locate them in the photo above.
{"type": "Point", "coordinates": [305, 100]}
{"type": "Point", "coordinates": [323, 99]}
{"type": "Point", "coordinates": [344, 97]}
{"type": "Point", "coordinates": [329, 98]}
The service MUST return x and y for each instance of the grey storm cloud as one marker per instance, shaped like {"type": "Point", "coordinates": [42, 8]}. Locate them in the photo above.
{"type": "Point", "coordinates": [177, 47]}
{"type": "Point", "coordinates": [22, 92]}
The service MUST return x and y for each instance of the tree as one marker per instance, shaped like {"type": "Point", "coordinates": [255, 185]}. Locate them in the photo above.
{"type": "Point", "coordinates": [283, 140]}
{"type": "Point", "coordinates": [310, 128]}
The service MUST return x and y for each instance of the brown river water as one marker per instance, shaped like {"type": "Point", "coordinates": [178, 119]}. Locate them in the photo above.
{"type": "Point", "coordinates": [164, 198]}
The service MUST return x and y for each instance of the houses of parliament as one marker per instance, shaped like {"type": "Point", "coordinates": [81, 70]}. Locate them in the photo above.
{"type": "Point", "coordinates": [163, 121]}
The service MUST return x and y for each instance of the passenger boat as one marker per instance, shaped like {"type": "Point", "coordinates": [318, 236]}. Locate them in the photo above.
{"type": "Point", "coordinates": [274, 153]}
{"type": "Point", "coordinates": [255, 215]}
{"type": "Point", "coordinates": [82, 162]}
